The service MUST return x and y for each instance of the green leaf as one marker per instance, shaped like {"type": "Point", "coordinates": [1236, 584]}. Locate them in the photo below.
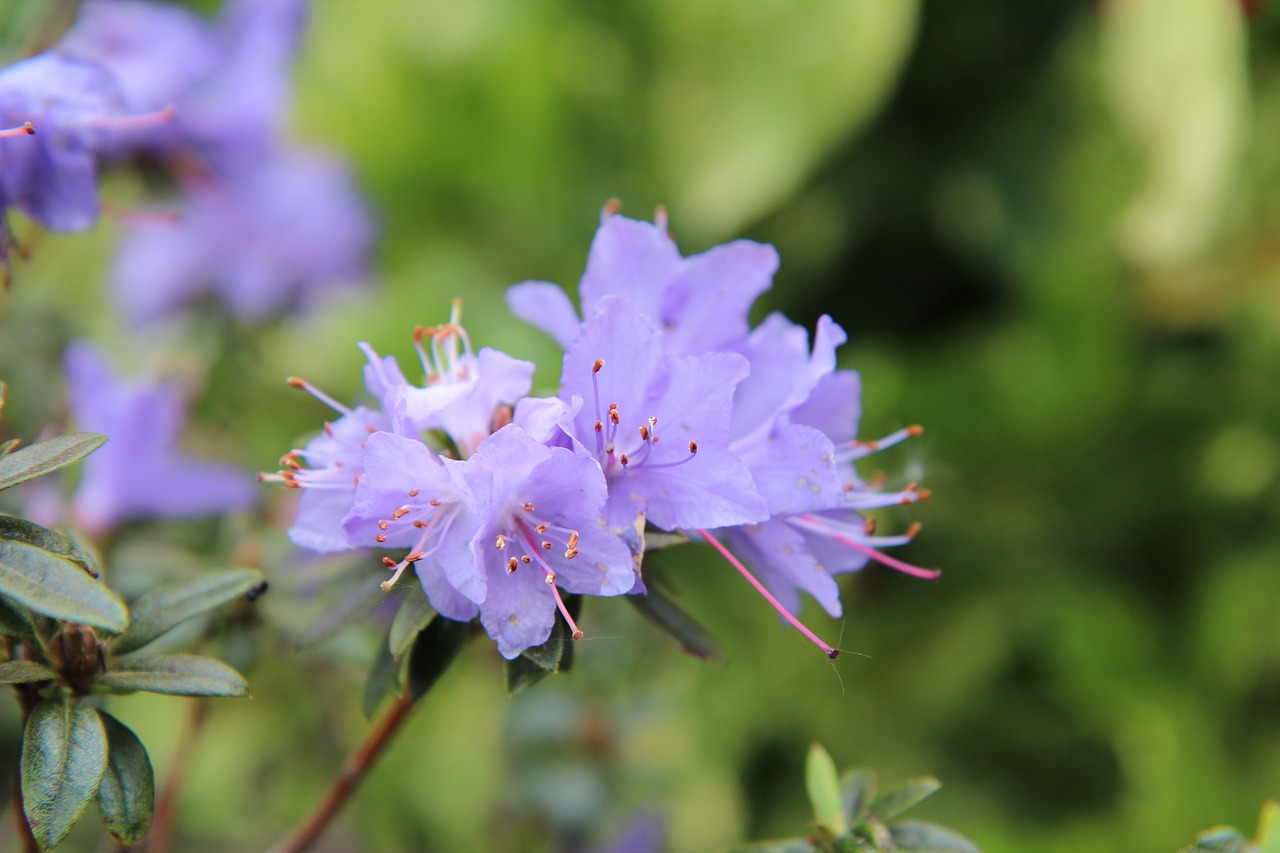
{"type": "Point", "coordinates": [1269, 827]}
{"type": "Point", "coordinates": [15, 621]}
{"type": "Point", "coordinates": [858, 789]}
{"type": "Point", "coordinates": [8, 446]}
{"type": "Point", "coordinates": [922, 837]}
{"type": "Point", "coordinates": [58, 588]}
{"type": "Point", "coordinates": [173, 675]}
{"type": "Point", "coordinates": [668, 616]}
{"type": "Point", "coordinates": [520, 674]}
{"type": "Point", "coordinates": [895, 801]}
{"type": "Point", "coordinates": [1223, 839]}
{"type": "Point", "coordinates": [384, 675]}
{"type": "Point", "coordinates": [21, 530]}
{"type": "Point", "coordinates": [414, 615]}
{"type": "Point", "coordinates": [64, 754]}
{"type": "Point", "coordinates": [787, 845]}
{"type": "Point", "coordinates": [823, 785]}
{"type": "Point", "coordinates": [358, 598]}
{"type": "Point", "coordinates": [127, 794]}
{"type": "Point", "coordinates": [434, 652]}
{"type": "Point", "coordinates": [163, 608]}
{"type": "Point", "coordinates": [24, 672]}
{"type": "Point", "coordinates": [38, 459]}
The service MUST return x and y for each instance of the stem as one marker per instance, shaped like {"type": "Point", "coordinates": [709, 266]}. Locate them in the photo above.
{"type": "Point", "coordinates": [161, 834]}
{"type": "Point", "coordinates": [309, 830]}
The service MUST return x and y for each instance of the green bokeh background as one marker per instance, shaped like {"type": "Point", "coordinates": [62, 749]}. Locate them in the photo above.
{"type": "Point", "coordinates": [1052, 230]}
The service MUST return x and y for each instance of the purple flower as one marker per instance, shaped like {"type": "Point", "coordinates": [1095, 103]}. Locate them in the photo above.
{"type": "Point", "coordinates": [700, 302]}
{"type": "Point", "coordinates": [658, 426]}
{"type": "Point", "coordinates": [140, 473]}
{"type": "Point", "coordinates": [51, 176]}
{"type": "Point", "coordinates": [464, 392]}
{"type": "Point", "coordinates": [544, 532]}
{"type": "Point", "coordinates": [266, 241]}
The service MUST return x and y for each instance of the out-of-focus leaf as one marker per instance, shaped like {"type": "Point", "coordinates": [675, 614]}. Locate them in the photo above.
{"type": "Point", "coordinates": [895, 801]}
{"type": "Point", "coordinates": [434, 652]}
{"type": "Point", "coordinates": [668, 616]}
{"type": "Point", "coordinates": [173, 675]}
{"type": "Point", "coordinates": [7, 447]}
{"type": "Point", "coordinates": [126, 796]}
{"type": "Point", "coordinates": [21, 530]}
{"type": "Point", "coordinates": [1222, 839]}
{"type": "Point", "coordinates": [384, 676]}
{"type": "Point", "coordinates": [1176, 72]}
{"type": "Point", "coordinates": [414, 614]}
{"type": "Point", "coordinates": [158, 611]}
{"type": "Point", "coordinates": [359, 599]}
{"type": "Point", "coordinates": [520, 674]}
{"type": "Point", "coordinates": [788, 845]}
{"type": "Point", "coordinates": [823, 785]}
{"type": "Point", "coordinates": [64, 754]}
{"type": "Point", "coordinates": [1269, 827]}
{"type": "Point", "coordinates": [735, 136]}
{"type": "Point", "coordinates": [40, 458]}
{"type": "Point", "coordinates": [857, 790]}
{"type": "Point", "coordinates": [58, 588]}
{"type": "Point", "coordinates": [658, 541]}
{"type": "Point", "coordinates": [24, 671]}
{"type": "Point", "coordinates": [922, 837]}
{"type": "Point", "coordinates": [15, 621]}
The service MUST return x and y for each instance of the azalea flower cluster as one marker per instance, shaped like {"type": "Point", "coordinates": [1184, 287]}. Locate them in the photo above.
{"type": "Point", "coordinates": [672, 413]}
{"type": "Point", "coordinates": [263, 223]}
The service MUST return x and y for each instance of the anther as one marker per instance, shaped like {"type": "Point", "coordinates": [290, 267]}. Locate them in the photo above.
{"type": "Point", "coordinates": [571, 553]}
{"type": "Point", "coordinates": [551, 579]}
{"type": "Point", "coordinates": [599, 426]}
{"type": "Point", "coordinates": [541, 528]}
{"type": "Point", "coordinates": [401, 512]}
{"type": "Point", "coordinates": [26, 129]}
{"type": "Point", "coordinates": [511, 565]}
{"type": "Point", "coordinates": [623, 459]}
{"type": "Point", "coordinates": [413, 493]}
{"type": "Point", "coordinates": [611, 208]}
{"type": "Point", "coordinates": [500, 541]}
{"type": "Point", "coordinates": [693, 447]}
{"type": "Point", "coordinates": [869, 526]}
{"type": "Point", "coordinates": [546, 546]}
{"type": "Point", "coordinates": [527, 507]}
{"type": "Point", "coordinates": [526, 559]}
{"type": "Point", "coordinates": [924, 494]}
{"type": "Point", "coordinates": [913, 529]}
{"type": "Point", "coordinates": [644, 432]}
{"type": "Point", "coordinates": [420, 524]}
{"type": "Point", "coordinates": [595, 368]}
{"type": "Point", "coordinates": [383, 525]}
{"type": "Point", "coordinates": [915, 430]}
{"type": "Point", "coordinates": [415, 556]}
{"type": "Point", "coordinates": [380, 538]}
{"type": "Point", "coordinates": [388, 562]}
{"type": "Point", "coordinates": [297, 383]}
{"type": "Point", "coordinates": [435, 502]}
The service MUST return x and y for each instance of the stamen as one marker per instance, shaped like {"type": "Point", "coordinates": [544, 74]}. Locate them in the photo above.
{"type": "Point", "coordinates": [135, 122]}
{"type": "Point", "coordinates": [856, 449]}
{"type": "Point", "coordinates": [511, 565]}
{"type": "Point", "coordinates": [786, 614]}
{"type": "Point", "coordinates": [824, 528]}
{"type": "Point", "coordinates": [25, 129]}
{"type": "Point", "coordinates": [500, 542]}
{"type": "Point", "coordinates": [390, 582]}
{"type": "Point", "coordinates": [576, 632]}
{"type": "Point", "coordinates": [304, 385]}
{"type": "Point", "coordinates": [611, 208]}
{"type": "Point", "coordinates": [660, 217]}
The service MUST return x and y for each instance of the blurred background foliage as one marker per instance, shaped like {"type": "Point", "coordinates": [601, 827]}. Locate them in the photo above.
{"type": "Point", "coordinates": [1052, 229]}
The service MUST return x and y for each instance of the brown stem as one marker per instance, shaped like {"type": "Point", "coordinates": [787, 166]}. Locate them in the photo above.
{"type": "Point", "coordinates": [307, 832]}
{"type": "Point", "coordinates": [161, 834]}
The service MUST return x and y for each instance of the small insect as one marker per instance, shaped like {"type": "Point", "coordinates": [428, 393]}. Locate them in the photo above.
{"type": "Point", "coordinates": [256, 591]}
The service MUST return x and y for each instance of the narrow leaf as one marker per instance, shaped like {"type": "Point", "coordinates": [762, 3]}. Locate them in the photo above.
{"type": "Point", "coordinates": [414, 614]}
{"type": "Point", "coordinates": [7, 447]}
{"type": "Point", "coordinates": [163, 608]}
{"type": "Point", "coordinates": [1220, 840]}
{"type": "Point", "coordinates": [21, 530]}
{"type": "Point", "coordinates": [173, 675]}
{"type": "Point", "coordinates": [668, 616]}
{"type": "Point", "coordinates": [922, 837]}
{"type": "Point", "coordinates": [24, 672]}
{"type": "Point", "coordinates": [823, 785]}
{"type": "Point", "coordinates": [58, 588]}
{"type": "Point", "coordinates": [434, 652]}
{"type": "Point", "coordinates": [126, 796]}
{"type": "Point", "coordinates": [40, 458]}
{"type": "Point", "coordinates": [1269, 827]}
{"type": "Point", "coordinates": [64, 754]}
{"type": "Point", "coordinates": [858, 789]}
{"type": "Point", "coordinates": [358, 598]}
{"type": "Point", "coordinates": [548, 655]}
{"type": "Point", "coordinates": [520, 674]}
{"type": "Point", "coordinates": [384, 674]}
{"type": "Point", "coordinates": [895, 801]}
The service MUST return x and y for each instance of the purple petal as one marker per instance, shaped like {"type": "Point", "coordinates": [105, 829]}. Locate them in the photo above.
{"type": "Point", "coordinates": [705, 307]}
{"type": "Point", "coordinates": [630, 259]}
{"type": "Point", "coordinates": [547, 307]}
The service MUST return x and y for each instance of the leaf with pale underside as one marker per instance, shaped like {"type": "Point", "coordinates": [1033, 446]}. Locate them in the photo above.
{"type": "Point", "coordinates": [668, 616]}
{"type": "Point", "coordinates": [53, 541]}
{"type": "Point", "coordinates": [43, 457]}
{"type": "Point", "coordinates": [173, 675]}
{"type": "Point", "coordinates": [24, 672]}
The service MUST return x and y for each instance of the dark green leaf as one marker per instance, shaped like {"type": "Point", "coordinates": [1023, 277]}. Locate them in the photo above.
{"type": "Point", "coordinates": [521, 673]}
{"type": "Point", "coordinates": [64, 754]}
{"type": "Point", "coordinates": [921, 837]}
{"type": "Point", "coordinates": [433, 653]}
{"type": "Point", "coordinates": [547, 656]}
{"type": "Point", "coordinates": [40, 458]}
{"type": "Point", "coordinates": [58, 588]}
{"type": "Point", "coordinates": [24, 671]}
{"type": "Point", "coordinates": [857, 790]}
{"type": "Point", "coordinates": [895, 801]}
{"type": "Point", "coordinates": [384, 676]}
{"type": "Point", "coordinates": [165, 607]}
{"type": "Point", "coordinates": [173, 675]}
{"type": "Point", "coordinates": [126, 796]}
{"type": "Point", "coordinates": [15, 620]}
{"type": "Point", "coordinates": [21, 530]}
{"type": "Point", "coordinates": [668, 616]}
{"type": "Point", "coordinates": [414, 614]}
{"type": "Point", "coordinates": [823, 785]}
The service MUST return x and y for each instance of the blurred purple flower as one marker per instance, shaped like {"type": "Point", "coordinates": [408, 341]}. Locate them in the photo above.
{"type": "Point", "coordinates": [646, 832]}
{"type": "Point", "coordinates": [700, 302]}
{"type": "Point", "coordinates": [139, 473]}
{"type": "Point", "coordinates": [266, 241]}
